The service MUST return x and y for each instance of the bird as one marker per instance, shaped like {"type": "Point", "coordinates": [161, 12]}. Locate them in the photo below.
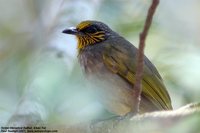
{"type": "Point", "coordinates": [108, 61]}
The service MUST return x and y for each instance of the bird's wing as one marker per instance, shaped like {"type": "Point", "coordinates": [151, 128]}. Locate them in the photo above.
{"type": "Point", "coordinates": [120, 59]}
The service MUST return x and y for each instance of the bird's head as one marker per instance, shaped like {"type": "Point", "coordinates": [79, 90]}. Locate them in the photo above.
{"type": "Point", "coordinates": [89, 33]}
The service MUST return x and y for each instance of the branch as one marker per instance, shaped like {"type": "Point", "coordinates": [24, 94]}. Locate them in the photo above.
{"type": "Point", "coordinates": [152, 122]}
{"type": "Point", "coordinates": [140, 55]}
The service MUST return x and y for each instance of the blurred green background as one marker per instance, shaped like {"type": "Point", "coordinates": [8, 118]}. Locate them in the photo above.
{"type": "Point", "coordinates": [38, 65]}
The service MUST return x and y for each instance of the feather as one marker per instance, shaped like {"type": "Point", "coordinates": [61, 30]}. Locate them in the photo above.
{"type": "Point", "coordinates": [119, 57]}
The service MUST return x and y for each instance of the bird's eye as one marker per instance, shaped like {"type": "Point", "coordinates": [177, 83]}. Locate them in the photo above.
{"type": "Point", "coordinates": [90, 30]}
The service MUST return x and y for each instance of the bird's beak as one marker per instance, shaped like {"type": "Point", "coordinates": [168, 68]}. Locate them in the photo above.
{"type": "Point", "coordinates": [71, 30]}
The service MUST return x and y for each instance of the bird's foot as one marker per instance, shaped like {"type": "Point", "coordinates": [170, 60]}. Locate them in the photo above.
{"type": "Point", "coordinates": [129, 115]}
{"type": "Point", "coordinates": [115, 119]}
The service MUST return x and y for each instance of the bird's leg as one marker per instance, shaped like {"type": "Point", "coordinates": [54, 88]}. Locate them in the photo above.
{"type": "Point", "coordinates": [115, 120]}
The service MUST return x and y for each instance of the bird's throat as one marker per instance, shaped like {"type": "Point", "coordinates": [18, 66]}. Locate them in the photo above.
{"type": "Point", "coordinates": [86, 40]}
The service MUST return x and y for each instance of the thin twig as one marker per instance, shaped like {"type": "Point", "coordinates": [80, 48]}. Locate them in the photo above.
{"type": "Point", "coordinates": [140, 55]}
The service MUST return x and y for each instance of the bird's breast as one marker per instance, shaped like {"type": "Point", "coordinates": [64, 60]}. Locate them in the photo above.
{"type": "Point", "coordinates": [91, 62]}
{"type": "Point", "coordinates": [111, 90]}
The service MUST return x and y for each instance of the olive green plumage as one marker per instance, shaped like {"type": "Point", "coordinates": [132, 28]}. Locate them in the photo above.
{"type": "Point", "coordinates": [109, 62]}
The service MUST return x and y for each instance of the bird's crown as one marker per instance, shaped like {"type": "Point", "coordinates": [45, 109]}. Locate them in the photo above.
{"type": "Point", "coordinates": [89, 33]}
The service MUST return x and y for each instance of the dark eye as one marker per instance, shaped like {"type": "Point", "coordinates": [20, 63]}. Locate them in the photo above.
{"type": "Point", "coordinates": [90, 30]}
